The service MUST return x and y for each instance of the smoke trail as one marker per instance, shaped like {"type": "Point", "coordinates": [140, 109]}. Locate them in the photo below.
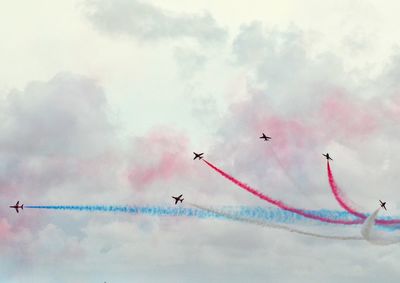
{"type": "Point", "coordinates": [261, 213]}
{"type": "Point", "coordinates": [138, 210]}
{"type": "Point", "coordinates": [271, 225]}
{"type": "Point", "coordinates": [340, 199]}
{"type": "Point", "coordinates": [279, 203]}
{"type": "Point", "coordinates": [269, 214]}
{"type": "Point", "coordinates": [339, 195]}
{"type": "Point", "coordinates": [375, 238]}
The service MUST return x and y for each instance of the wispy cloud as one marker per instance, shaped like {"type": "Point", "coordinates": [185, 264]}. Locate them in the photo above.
{"type": "Point", "coordinates": [148, 22]}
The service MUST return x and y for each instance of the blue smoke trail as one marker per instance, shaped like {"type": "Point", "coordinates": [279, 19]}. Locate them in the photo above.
{"type": "Point", "coordinates": [261, 213]}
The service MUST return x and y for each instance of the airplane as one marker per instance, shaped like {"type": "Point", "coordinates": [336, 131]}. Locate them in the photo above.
{"type": "Point", "coordinates": [178, 199]}
{"type": "Point", "coordinates": [265, 137]}
{"type": "Point", "coordinates": [327, 156]}
{"type": "Point", "coordinates": [383, 204]}
{"type": "Point", "coordinates": [198, 155]}
{"type": "Point", "coordinates": [16, 206]}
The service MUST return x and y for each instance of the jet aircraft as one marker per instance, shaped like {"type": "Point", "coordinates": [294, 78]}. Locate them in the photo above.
{"type": "Point", "coordinates": [327, 156]}
{"type": "Point", "coordinates": [265, 137]}
{"type": "Point", "coordinates": [198, 155]}
{"type": "Point", "coordinates": [383, 204]}
{"type": "Point", "coordinates": [178, 199]}
{"type": "Point", "coordinates": [16, 206]}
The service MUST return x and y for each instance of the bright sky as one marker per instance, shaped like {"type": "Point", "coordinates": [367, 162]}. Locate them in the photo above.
{"type": "Point", "coordinates": [104, 101]}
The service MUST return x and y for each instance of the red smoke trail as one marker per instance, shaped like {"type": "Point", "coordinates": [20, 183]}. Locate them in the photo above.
{"type": "Point", "coordinates": [279, 203]}
{"type": "Point", "coordinates": [338, 196]}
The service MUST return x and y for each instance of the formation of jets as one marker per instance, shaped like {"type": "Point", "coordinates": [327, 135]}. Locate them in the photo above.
{"type": "Point", "coordinates": [17, 206]}
{"type": "Point", "coordinates": [199, 156]}
{"type": "Point", "coordinates": [178, 199]}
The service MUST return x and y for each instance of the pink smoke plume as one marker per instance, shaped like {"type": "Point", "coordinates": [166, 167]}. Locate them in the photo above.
{"type": "Point", "coordinates": [167, 150]}
{"type": "Point", "coordinates": [345, 117]}
{"type": "Point", "coordinates": [5, 229]}
{"type": "Point", "coordinates": [165, 168]}
{"type": "Point", "coordinates": [342, 202]}
{"type": "Point", "coordinates": [279, 203]}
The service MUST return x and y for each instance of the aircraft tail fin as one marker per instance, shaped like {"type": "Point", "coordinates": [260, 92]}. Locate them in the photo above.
{"type": "Point", "coordinates": [181, 200]}
{"type": "Point", "coordinates": [22, 206]}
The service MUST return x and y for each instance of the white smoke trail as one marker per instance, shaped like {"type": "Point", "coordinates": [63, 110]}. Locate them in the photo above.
{"type": "Point", "coordinates": [272, 225]}
{"type": "Point", "coordinates": [375, 238]}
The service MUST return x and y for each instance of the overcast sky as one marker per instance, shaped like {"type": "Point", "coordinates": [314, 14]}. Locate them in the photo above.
{"type": "Point", "coordinates": [104, 101]}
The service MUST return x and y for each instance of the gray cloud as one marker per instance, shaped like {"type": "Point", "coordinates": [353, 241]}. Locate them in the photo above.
{"type": "Point", "coordinates": [309, 104]}
{"type": "Point", "coordinates": [148, 22]}
{"type": "Point", "coordinates": [282, 66]}
{"type": "Point", "coordinates": [58, 143]}
{"type": "Point", "coordinates": [66, 116]}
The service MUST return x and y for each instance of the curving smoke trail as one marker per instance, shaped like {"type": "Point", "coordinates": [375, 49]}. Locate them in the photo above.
{"type": "Point", "coordinates": [280, 204]}
{"type": "Point", "coordinates": [375, 238]}
{"type": "Point", "coordinates": [341, 200]}
{"type": "Point", "coordinates": [268, 214]}
{"type": "Point", "coordinates": [339, 194]}
{"type": "Point", "coordinates": [272, 225]}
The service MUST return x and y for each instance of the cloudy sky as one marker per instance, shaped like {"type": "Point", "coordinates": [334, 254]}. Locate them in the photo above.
{"type": "Point", "coordinates": [103, 102]}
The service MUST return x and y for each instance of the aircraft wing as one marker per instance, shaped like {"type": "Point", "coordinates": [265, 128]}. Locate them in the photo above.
{"type": "Point", "coordinates": [17, 209]}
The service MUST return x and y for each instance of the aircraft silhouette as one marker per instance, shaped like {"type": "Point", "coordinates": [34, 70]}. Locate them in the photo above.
{"type": "Point", "coordinates": [16, 206]}
{"type": "Point", "coordinates": [383, 204]}
{"type": "Point", "coordinates": [327, 156]}
{"type": "Point", "coordinates": [198, 155]}
{"type": "Point", "coordinates": [265, 137]}
{"type": "Point", "coordinates": [178, 199]}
